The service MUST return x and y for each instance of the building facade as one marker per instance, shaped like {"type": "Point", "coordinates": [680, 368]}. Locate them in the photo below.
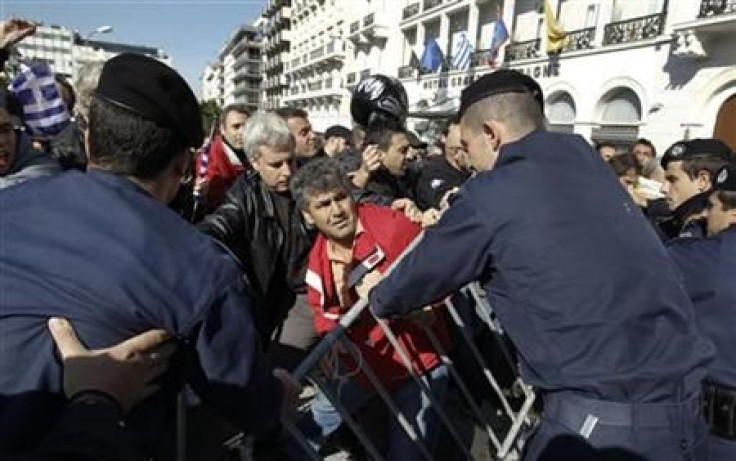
{"type": "Point", "coordinates": [65, 50]}
{"type": "Point", "coordinates": [241, 61]}
{"type": "Point", "coordinates": [212, 83]}
{"type": "Point", "coordinates": [658, 69]}
{"type": "Point", "coordinates": [276, 48]}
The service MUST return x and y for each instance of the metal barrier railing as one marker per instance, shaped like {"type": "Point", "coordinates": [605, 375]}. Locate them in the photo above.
{"type": "Point", "coordinates": [514, 402]}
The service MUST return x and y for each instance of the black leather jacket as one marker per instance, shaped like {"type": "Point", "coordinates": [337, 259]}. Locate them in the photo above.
{"type": "Point", "coordinates": [247, 223]}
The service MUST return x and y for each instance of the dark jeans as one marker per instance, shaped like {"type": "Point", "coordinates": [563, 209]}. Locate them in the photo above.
{"type": "Point", "coordinates": [575, 428]}
{"type": "Point", "coordinates": [721, 449]}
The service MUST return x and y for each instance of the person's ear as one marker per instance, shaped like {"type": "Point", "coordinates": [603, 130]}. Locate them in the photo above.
{"type": "Point", "coordinates": [308, 219]}
{"type": "Point", "coordinates": [702, 181]}
{"type": "Point", "coordinates": [492, 133]}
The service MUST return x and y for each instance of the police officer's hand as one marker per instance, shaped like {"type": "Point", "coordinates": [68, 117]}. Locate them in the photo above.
{"type": "Point", "coordinates": [445, 201]}
{"type": "Point", "coordinates": [126, 372]}
{"type": "Point", "coordinates": [13, 31]}
{"type": "Point", "coordinates": [292, 391]}
{"type": "Point", "coordinates": [430, 217]}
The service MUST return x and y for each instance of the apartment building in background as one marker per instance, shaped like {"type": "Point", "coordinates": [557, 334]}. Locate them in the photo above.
{"type": "Point", "coordinates": [241, 60]}
{"type": "Point", "coordinates": [276, 29]}
{"type": "Point", "coordinates": [65, 49]}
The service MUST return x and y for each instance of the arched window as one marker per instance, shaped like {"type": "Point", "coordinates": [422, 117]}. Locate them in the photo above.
{"type": "Point", "coordinates": [561, 112]}
{"type": "Point", "coordinates": [620, 117]}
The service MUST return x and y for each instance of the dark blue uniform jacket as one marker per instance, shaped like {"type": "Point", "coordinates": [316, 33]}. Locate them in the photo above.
{"type": "Point", "coordinates": [708, 268]}
{"type": "Point", "coordinates": [579, 280]}
{"type": "Point", "coordinates": [98, 250]}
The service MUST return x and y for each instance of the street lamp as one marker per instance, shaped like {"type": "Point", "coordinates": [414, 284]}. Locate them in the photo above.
{"type": "Point", "coordinates": [75, 52]}
{"type": "Point", "coordinates": [99, 30]}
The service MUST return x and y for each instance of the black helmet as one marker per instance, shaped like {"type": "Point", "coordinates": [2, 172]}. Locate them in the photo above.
{"type": "Point", "coordinates": [379, 98]}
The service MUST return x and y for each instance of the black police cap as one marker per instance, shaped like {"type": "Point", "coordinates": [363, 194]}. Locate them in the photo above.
{"type": "Point", "coordinates": [498, 82]}
{"type": "Point", "coordinates": [153, 90]}
{"type": "Point", "coordinates": [699, 147]}
{"type": "Point", "coordinates": [726, 178]}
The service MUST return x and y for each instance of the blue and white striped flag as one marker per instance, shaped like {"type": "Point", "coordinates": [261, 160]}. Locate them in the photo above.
{"type": "Point", "coordinates": [43, 109]}
{"type": "Point", "coordinates": [462, 53]}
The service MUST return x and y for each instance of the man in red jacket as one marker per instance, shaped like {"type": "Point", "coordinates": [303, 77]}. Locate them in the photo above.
{"type": "Point", "coordinates": [225, 159]}
{"type": "Point", "coordinates": [356, 244]}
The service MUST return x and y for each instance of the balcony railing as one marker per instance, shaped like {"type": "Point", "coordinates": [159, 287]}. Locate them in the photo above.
{"type": "Point", "coordinates": [318, 53]}
{"type": "Point", "coordinates": [429, 4]}
{"type": "Point", "coordinates": [409, 11]}
{"type": "Point", "coordinates": [482, 58]}
{"type": "Point", "coordinates": [523, 50]}
{"type": "Point", "coordinates": [580, 40]}
{"type": "Point", "coordinates": [368, 20]}
{"type": "Point", "coordinates": [406, 71]}
{"type": "Point", "coordinates": [633, 30]}
{"type": "Point", "coordinates": [316, 86]}
{"type": "Point", "coordinates": [354, 27]}
{"type": "Point", "coordinates": [710, 8]}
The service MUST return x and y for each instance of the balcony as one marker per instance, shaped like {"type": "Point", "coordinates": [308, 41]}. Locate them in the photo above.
{"type": "Point", "coordinates": [523, 50]}
{"type": "Point", "coordinates": [710, 8]}
{"type": "Point", "coordinates": [483, 58]}
{"type": "Point", "coordinates": [580, 40]}
{"type": "Point", "coordinates": [407, 71]}
{"type": "Point", "coordinates": [317, 53]}
{"type": "Point", "coordinates": [410, 11]}
{"type": "Point", "coordinates": [429, 4]}
{"type": "Point", "coordinates": [315, 86]}
{"type": "Point", "coordinates": [634, 30]}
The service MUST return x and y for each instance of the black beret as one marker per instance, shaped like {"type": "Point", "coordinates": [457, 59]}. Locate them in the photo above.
{"type": "Point", "coordinates": [498, 82]}
{"type": "Point", "coordinates": [339, 131]}
{"type": "Point", "coordinates": [153, 90]}
{"type": "Point", "coordinates": [700, 147]}
{"type": "Point", "coordinates": [726, 178]}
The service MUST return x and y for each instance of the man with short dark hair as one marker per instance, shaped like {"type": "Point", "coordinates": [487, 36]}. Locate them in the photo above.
{"type": "Point", "coordinates": [606, 150]}
{"type": "Point", "coordinates": [584, 290]}
{"type": "Point", "coordinates": [67, 146]}
{"type": "Point", "coordinates": [381, 177]}
{"type": "Point", "coordinates": [708, 266]}
{"type": "Point", "coordinates": [226, 158]}
{"type": "Point", "coordinates": [690, 168]}
{"type": "Point", "coordinates": [301, 129]}
{"type": "Point", "coordinates": [102, 250]}
{"type": "Point", "coordinates": [441, 174]}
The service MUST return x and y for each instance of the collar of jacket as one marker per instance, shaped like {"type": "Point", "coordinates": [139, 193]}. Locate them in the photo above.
{"type": "Point", "coordinates": [692, 206]}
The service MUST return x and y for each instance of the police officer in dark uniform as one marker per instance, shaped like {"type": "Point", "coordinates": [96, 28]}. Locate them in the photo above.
{"type": "Point", "coordinates": [690, 167]}
{"type": "Point", "coordinates": [583, 288]}
{"type": "Point", "coordinates": [708, 266]}
{"type": "Point", "coordinates": [102, 250]}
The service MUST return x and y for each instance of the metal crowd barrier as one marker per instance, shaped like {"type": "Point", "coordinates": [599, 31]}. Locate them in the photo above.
{"type": "Point", "coordinates": [504, 423]}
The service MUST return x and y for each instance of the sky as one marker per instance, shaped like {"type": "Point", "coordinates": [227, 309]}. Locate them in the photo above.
{"type": "Point", "coordinates": [191, 32]}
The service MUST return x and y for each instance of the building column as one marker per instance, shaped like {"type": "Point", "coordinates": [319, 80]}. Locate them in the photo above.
{"type": "Point", "coordinates": [605, 12]}
{"type": "Point", "coordinates": [473, 20]}
{"type": "Point", "coordinates": [444, 38]}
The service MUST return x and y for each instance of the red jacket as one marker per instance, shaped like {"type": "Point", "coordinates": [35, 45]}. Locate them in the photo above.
{"type": "Point", "coordinates": [390, 232]}
{"type": "Point", "coordinates": [223, 167]}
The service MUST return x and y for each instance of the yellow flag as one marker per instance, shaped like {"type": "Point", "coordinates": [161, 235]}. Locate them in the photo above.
{"type": "Point", "coordinates": [556, 36]}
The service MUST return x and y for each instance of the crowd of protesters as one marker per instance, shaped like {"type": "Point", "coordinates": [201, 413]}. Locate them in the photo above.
{"type": "Point", "coordinates": [210, 267]}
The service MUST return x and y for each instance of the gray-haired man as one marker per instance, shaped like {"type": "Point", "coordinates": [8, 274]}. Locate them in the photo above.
{"type": "Point", "coordinates": [259, 222]}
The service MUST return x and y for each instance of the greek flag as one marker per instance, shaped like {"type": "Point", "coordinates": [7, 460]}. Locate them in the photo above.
{"type": "Point", "coordinates": [43, 109]}
{"type": "Point", "coordinates": [462, 52]}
